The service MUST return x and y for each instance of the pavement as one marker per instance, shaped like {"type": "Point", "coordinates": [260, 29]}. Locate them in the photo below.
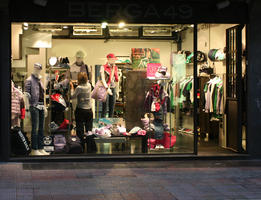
{"type": "Point", "coordinates": [150, 180]}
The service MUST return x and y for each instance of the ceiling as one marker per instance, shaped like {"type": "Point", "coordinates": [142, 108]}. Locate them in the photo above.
{"type": "Point", "coordinates": [121, 30]}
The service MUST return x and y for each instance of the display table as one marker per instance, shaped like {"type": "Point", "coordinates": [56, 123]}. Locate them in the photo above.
{"type": "Point", "coordinates": [109, 140]}
{"type": "Point", "coordinates": [123, 140]}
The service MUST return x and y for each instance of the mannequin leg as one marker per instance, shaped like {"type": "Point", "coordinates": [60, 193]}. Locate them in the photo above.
{"type": "Point", "coordinates": [79, 118]}
{"type": "Point", "coordinates": [35, 124]}
{"type": "Point", "coordinates": [112, 99]}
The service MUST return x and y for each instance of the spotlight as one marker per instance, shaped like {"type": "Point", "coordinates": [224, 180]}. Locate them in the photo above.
{"type": "Point", "coordinates": [121, 24]}
{"type": "Point", "coordinates": [104, 24]}
{"type": "Point", "coordinates": [65, 27]}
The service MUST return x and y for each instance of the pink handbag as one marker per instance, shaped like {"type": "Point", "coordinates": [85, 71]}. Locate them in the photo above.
{"type": "Point", "coordinates": [99, 92]}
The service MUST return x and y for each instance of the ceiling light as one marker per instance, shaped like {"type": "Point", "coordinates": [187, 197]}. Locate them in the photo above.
{"type": "Point", "coordinates": [25, 24]}
{"type": "Point", "coordinates": [121, 24]}
{"type": "Point", "coordinates": [65, 27]}
{"type": "Point", "coordinates": [87, 30]}
{"type": "Point", "coordinates": [192, 25]}
{"type": "Point", "coordinates": [104, 24]}
{"type": "Point", "coordinates": [50, 29]}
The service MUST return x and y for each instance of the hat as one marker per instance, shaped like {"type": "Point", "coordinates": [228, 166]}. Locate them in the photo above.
{"type": "Point", "coordinates": [38, 66]}
{"type": "Point", "coordinates": [79, 54]}
{"type": "Point", "coordinates": [162, 69]}
{"type": "Point", "coordinates": [111, 55]}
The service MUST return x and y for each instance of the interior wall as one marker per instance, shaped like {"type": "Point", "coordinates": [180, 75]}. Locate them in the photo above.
{"type": "Point", "coordinates": [17, 30]}
{"type": "Point", "coordinates": [96, 50]}
{"type": "Point", "coordinates": [210, 36]}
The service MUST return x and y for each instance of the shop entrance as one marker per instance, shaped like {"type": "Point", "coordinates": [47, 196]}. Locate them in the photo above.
{"type": "Point", "coordinates": [221, 93]}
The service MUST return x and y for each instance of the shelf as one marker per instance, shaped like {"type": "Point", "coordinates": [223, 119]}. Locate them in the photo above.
{"type": "Point", "coordinates": [158, 78]}
{"type": "Point", "coordinates": [123, 63]}
{"type": "Point", "coordinates": [57, 68]}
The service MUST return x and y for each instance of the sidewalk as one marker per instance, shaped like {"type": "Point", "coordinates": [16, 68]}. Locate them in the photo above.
{"type": "Point", "coordinates": [161, 180]}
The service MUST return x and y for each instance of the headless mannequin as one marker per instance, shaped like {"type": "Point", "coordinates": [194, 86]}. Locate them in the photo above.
{"type": "Point", "coordinates": [35, 109]}
{"type": "Point", "coordinates": [17, 106]}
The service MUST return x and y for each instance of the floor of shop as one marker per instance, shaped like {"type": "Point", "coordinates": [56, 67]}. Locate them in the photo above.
{"type": "Point", "coordinates": [208, 148]}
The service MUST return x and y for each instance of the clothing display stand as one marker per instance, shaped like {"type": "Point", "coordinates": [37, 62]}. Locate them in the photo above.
{"type": "Point", "coordinates": [60, 88]}
{"type": "Point", "coordinates": [164, 117]}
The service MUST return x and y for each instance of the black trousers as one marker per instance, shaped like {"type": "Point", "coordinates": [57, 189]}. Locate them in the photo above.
{"type": "Point", "coordinates": [84, 120]}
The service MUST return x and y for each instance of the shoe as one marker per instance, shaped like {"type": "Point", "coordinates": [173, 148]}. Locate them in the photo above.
{"type": "Point", "coordinates": [53, 127]}
{"type": "Point", "coordinates": [36, 153]}
{"type": "Point", "coordinates": [67, 60]}
{"type": "Point", "coordinates": [161, 146]}
{"type": "Point", "coordinates": [42, 151]}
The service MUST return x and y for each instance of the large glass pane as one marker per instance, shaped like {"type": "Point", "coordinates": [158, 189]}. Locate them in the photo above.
{"type": "Point", "coordinates": [149, 105]}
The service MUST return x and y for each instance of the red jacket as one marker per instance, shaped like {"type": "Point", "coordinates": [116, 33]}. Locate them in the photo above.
{"type": "Point", "coordinates": [107, 69]}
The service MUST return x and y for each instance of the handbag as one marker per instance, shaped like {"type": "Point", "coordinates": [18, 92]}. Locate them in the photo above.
{"type": "Point", "coordinates": [99, 92]}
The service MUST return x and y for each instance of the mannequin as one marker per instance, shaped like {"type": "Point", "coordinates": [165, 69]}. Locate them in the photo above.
{"type": "Point", "coordinates": [112, 86]}
{"type": "Point", "coordinates": [34, 93]}
{"type": "Point", "coordinates": [76, 67]}
{"type": "Point", "coordinates": [80, 66]}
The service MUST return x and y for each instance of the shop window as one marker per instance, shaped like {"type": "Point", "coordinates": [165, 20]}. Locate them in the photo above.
{"type": "Point", "coordinates": [149, 108]}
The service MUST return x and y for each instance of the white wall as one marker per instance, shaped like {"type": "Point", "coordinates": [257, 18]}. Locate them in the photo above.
{"type": "Point", "coordinates": [210, 36]}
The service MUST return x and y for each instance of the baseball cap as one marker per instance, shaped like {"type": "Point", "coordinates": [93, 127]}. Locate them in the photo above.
{"type": "Point", "coordinates": [111, 55]}
{"type": "Point", "coordinates": [79, 54]}
{"type": "Point", "coordinates": [38, 66]}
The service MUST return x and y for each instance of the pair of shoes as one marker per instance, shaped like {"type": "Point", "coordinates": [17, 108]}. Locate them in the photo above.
{"type": "Point", "coordinates": [39, 152]}
{"type": "Point", "coordinates": [64, 60]}
{"type": "Point", "coordinates": [43, 152]}
{"type": "Point", "coordinates": [159, 146]}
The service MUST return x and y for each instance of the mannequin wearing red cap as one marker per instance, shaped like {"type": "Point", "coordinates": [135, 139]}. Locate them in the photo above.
{"type": "Point", "coordinates": [110, 81]}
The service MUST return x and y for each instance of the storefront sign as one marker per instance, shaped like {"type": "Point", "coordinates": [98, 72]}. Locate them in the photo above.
{"type": "Point", "coordinates": [130, 11]}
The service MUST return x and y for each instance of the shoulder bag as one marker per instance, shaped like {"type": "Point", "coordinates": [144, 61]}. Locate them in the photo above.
{"type": "Point", "coordinates": [99, 92]}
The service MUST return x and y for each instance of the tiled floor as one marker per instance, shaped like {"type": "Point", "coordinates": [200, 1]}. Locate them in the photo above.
{"type": "Point", "coordinates": [161, 180]}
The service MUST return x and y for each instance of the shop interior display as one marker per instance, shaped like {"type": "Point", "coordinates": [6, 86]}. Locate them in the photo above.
{"type": "Point", "coordinates": [154, 107]}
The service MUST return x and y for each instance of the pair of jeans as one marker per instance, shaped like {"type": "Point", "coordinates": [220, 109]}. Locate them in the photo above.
{"type": "Point", "coordinates": [109, 101]}
{"type": "Point", "coordinates": [37, 119]}
{"type": "Point", "coordinates": [84, 119]}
